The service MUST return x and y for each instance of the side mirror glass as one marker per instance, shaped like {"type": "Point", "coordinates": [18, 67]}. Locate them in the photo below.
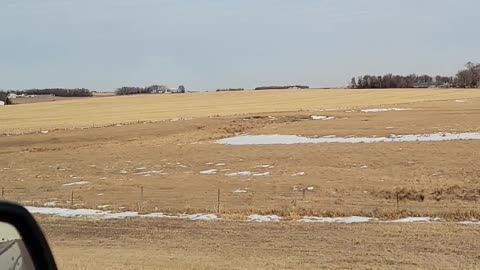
{"type": "Point", "coordinates": [13, 253]}
{"type": "Point", "coordinates": [22, 243]}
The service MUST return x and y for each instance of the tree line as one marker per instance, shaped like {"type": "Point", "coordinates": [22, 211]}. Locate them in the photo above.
{"type": "Point", "coordinates": [134, 90]}
{"type": "Point", "coordinates": [469, 77]}
{"type": "Point", "coordinates": [59, 92]}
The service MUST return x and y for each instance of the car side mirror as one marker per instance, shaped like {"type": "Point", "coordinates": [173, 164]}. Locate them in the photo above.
{"type": "Point", "coordinates": [22, 243]}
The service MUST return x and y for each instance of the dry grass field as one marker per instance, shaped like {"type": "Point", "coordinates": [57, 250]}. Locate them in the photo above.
{"type": "Point", "coordinates": [124, 109]}
{"type": "Point", "coordinates": [170, 163]}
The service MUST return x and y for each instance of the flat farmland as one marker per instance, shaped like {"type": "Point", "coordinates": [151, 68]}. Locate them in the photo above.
{"type": "Point", "coordinates": [171, 162]}
{"type": "Point", "coordinates": [86, 113]}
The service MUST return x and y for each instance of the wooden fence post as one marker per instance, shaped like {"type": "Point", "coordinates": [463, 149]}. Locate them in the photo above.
{"type": "Point", "coordinates": [218, 201]}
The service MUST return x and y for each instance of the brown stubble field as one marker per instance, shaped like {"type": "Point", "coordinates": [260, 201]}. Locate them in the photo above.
{"type": "Point", "coordinates": [432, 179]}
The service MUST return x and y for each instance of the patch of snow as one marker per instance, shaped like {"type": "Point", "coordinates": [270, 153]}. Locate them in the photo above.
{"type": "Point", "coordinates": [261, 174]}
{"type": "Point", "coordinates": [209, 163]}
{"type": "Point", "coordinates": [103, 178]}
{"type": "Point", "coordinates": [322, 117]}
{"type": "Point", "coordinates": [50, 204]}
{"type": "Point", "coordinates": [64, 212]}
{"type": "Point", "coordinates": [384, 110]}
{"type": "Point", "coordinates": [263, 166]}
{"type": "Point", "coordinates": [345, 220]}
{"type": "Point", "coordinates": [44, 131]}
{"type": "Point", "coordinates": [103, 206]}
{"type": "Point", "coordinates": [220, 164]}
{"type": "Point", "coordinates": [299, 174]}
{"type": "Point", "coordinates": [470, 222]}
{"type": "Point", "coordinates": [209, 172]}
{"type": "Point", "coordinates": [264, 218]}
{"type": "Point", "coordinates": [151, 172]}
{"type": "Point", "coordinates": [460, 100]}
{"type": "Point", "coordinates": [310, 188]}
{"type": "Point", "coordinates": [411, 220]}
{"type": "Point", "coordinates": [364, 167]}
{"type": "Point", "coordinates": [200, 217]}
{"type": "Point", "coordinates": [76, 183]}
{"type": "Point", "coordinates": [123, 172]}
{"type": "Point", "coordinates": [100, 194]}
{"type": "Point", "coordinates": [240, 191]}
{"type": "Point", "coordinates": [141, 168]}
{"type": "Point", "coordinates": [294, 139]}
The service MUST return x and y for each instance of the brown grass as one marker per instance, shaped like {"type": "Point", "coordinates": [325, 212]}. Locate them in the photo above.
{"type": "Point", "coordinates": [173, 244]}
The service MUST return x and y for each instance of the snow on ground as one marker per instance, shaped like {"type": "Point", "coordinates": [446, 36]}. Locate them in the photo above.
{"type": "Point", "coordinates": [299, 174]}
{"type": "Point", "coordinates": [294, 139]}
{"type": "Point", "coordinates": [220, 164]}
{"type": "Point", "coordinates": [322, 117]}
{"type": "Point", "coordinates": [265, 166]}
{"type": "Point", "coordinates": [470, 222]}
{"type": "Point", "coordinates": [209, 172]}
{"type": "Point", "coordinates": [151, 172]}
{"type": "Point", "coordinates": [384, 110]}
{"type": "Point", "coordinates": [248, 173]}
{"type": "Point", "coordinates": [412, 219]}
{"type": "Point", "coordinates": [460, 100]}
{"type": "Point", "coordinates": [346, 220]}
{"type": "Point", "coordinates": [264, 218]}
{"type": "Point", "coordinates": [240, 191]}
{"type": "Point", "coordinates": [76, 183]}
{"type": "Point", "coordinates": [64, 212]}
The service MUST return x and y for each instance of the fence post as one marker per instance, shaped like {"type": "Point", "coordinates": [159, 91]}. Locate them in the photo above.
{"type": "Point", "coordinates": [218, 201]}
{"type": "Point", "coordinates": [71, 199]}
{"type": "Point", "coordinates": [398, 199]}
{"type": "Point", "coordinates": [141, 198]}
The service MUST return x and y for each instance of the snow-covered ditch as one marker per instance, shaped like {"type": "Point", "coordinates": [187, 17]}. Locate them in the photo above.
{"type": "Point", "coordinates": [65, 212]}
{"type": "Point", "coordinates": [295, 139]}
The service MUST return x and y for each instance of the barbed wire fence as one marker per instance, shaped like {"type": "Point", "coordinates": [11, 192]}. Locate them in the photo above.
{"type": "Point", "coordinates": [224, 200]}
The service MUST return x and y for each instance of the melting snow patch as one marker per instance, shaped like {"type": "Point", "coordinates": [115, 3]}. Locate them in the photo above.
{"type": "Point", "coordinates": [220, 164]}
{"type": "Point", "coordinates": [103, 206]}
{"type": "Point", "coordinates": [50, 204]}
{"type": "Point", "coordinates": [245, 173]}
{"type": "Point", "coordinates": [240, 191]}
{"type": "Point", "coordinates": [299, 174]}
{"type": "Point", "coordinates": [460, 100]}
{"type": "Point", "coordinates": [364, 167]}
{"type": "Point", "coordinates": [322, 117]}
{"type": "Point", "coordinates": [470, 222]}
{"type": "Point", "coordinates": [44, 131]}
{"type": "Point", "coordinates": [209, 172]}
{"type": "Point", "coordinates": [264, 166]}
{"type": "Point", "coordinates": [260, 218]}
{"type": "Point", "coordinates": [151, 172]}
{"type": "Point", "coordinates": [200, 217]}
{"type": "Point", "coordinates": [384, 110]}
{"type": "Point", "coordinates": [76, 183]}
{"type": "Point", "coordinates": [261, 174]}
{"type": "Point", "coordinates": [63, 212]}
{"type": "Point", "coordinates": [411, 220]}
{"type": "Point", "coordinates": [346, 220]}
{"type": "Point", "coordinates": [294, 139]}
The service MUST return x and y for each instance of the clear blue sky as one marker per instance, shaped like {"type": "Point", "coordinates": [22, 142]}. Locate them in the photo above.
{"type": "Point", "coordinates": [104, 44]}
